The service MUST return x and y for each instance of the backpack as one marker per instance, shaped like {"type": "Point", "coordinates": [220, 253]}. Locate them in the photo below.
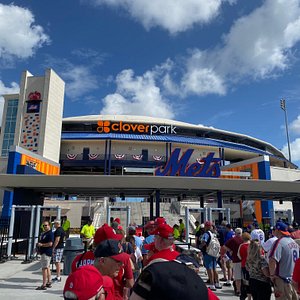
{"type": "Point", "coordinates": [213, 248]}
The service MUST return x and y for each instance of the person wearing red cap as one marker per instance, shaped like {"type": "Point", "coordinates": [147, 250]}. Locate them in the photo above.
{"type": "Point", "coordinates": [105, 232]}
{"type": "Point", "coordinates": [84, 284]}
{"type": "Point", "coordinates": [149, 239]}
{"type": "Point", "coordinates": [110, 260]}
{"type": "Point", "coordinates": [117, 220]}
{"type": "Point", "coordinates": [163, 242]}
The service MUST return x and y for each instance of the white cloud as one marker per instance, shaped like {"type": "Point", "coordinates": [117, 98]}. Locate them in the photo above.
{"type": "Point", "coordinates": [172, 15]}
{"type": "Point", "coordinates": [295, 126]}
{"type": "Point", "coordinates": [13, 89]}
{"type": "Point", "coordinates": [79, 78]}
{"type": "Point", "coordinates": [295, 150]}
{"type": "Point", "coordinates": [19, 36]}
{"type": "Point", "coordinates": [79, 81]}
{"type": "Point", "coordinates": [203, 81]}
{"type": "Point", "coordinates": [137, 95]}
{"type": "Point", "coordinates": [257, 46]}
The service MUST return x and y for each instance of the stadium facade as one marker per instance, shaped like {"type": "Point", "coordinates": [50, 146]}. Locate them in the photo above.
{"type": "Point", "coordinates": [35, 139]}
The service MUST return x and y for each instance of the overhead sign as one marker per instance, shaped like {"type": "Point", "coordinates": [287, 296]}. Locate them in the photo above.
{"type": "Point", "coordinates": [207, 167]}
{"type": "Point", "coordinates": [124, 127]}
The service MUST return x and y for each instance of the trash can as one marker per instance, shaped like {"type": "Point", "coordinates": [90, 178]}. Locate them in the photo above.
{"type": "Point", "coordinates": [73, 247]}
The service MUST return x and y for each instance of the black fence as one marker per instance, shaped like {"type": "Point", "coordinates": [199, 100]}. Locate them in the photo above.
{"type": "Point", "coordinates": [4, 227]}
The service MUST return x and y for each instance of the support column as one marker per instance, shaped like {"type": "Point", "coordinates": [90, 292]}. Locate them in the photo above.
{"type": "Point", "coordinates": [202, 218]}
{"type": "Point", "coordinates": [108, 215]}
{"type": "Point", "coordinates": [289, 213]}
{"type": "Point", "coordinates": [29, 251]}
{"type": "Point", "coordinates": [209, 214]}
{"type": "Point", "coordinates": [11, 230]}
{"type": "Point", "coordinates": [105, 158]}
{"type": "Point", "coordinates": [187, 227]}
{"type": "Point", "coordinates": [109, 157]}
{"type": "Point", "coordinates": [151, 207]}
{"type": "Point", "coordinates": [58, 213]}
{"type": "Point", "coordinates": [157, 203]}
{"type": "Point", "coordinates": [37, 225]}
{"type": "Point", "coordinates": [272, 217]}
{"type": "Point", "coordinates": [128, 216]}
{"type": "Point", "coordinates": [220, 205]}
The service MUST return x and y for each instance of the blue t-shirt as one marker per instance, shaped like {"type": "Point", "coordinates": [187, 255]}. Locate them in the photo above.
{"type": "Point", "coordinates": [228, 235]}
{"type": "Point", "coordinates": [148, 240]}
{"type": "Point", "coordinates": [46, 237]}
{"type": "Point", "coordinates": [138, 241]}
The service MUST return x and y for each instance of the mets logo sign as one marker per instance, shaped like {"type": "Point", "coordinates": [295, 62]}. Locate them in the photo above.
{"type": "Point", "coordinates": [175, 166]}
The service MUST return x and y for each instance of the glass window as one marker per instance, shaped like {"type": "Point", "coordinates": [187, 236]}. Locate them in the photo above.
{"type": "Point", "coordinates": [9, 126]}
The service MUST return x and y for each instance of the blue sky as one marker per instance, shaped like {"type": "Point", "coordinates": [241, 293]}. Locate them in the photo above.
{"type": "Point", "coordinates": [220, 63]}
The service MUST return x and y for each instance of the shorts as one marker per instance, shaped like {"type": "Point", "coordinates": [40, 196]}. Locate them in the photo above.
{"type": "Point", "coordinates": [209, 262]}
{"type": "Point", "coordinates": [228, 264]}
{"type": "Point", "coordinates": [45, 261]}
{"type": "Point", "coordinates": [283, 290]}
{"type": "Point", "coordinates": [237, 271]}
{"type": "Point", "coordinates": [57, 255]}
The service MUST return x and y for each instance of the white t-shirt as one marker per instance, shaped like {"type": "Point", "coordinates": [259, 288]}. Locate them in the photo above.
{"type": "Point", "coordinates": [269, 243]}
{"type": "Point", "coordinates": [258, 234]}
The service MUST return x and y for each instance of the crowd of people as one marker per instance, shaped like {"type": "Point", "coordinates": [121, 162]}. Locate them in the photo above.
{"type": "Point", "coordinates": [253, 264]}
{"type": "Point", "coordinates": [125, 264]}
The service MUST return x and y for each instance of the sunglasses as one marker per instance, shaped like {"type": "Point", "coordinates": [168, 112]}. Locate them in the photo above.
{"type": "Point", "coordinates": [45, 225]}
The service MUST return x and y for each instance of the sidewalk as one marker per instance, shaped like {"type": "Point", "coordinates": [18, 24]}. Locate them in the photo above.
{"type": "Point", "coordinates": [19, 281]}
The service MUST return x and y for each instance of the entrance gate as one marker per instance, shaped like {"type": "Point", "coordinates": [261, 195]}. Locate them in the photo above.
{"type": "Point", "coordinates": [207, 213]}
{"type": "Point", "coordinates": [34, 227]}
{"type": "Point", "coordinates": [115, 208]}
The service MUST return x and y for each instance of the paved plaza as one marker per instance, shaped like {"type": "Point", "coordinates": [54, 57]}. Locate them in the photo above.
{"type": "Point", "coordinates": [18, 281]}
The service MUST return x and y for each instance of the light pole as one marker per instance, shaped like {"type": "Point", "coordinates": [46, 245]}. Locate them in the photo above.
{"type": "Point", "coordinates": [283, 107]}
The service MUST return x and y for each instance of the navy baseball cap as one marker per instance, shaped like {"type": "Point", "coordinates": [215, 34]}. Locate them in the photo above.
{"type": "Point", "coordinates": [110, 248]}
{"type": "Point", "coordinates": [282, 227]}
{"type": "Point", "coordinates": [170, 280]}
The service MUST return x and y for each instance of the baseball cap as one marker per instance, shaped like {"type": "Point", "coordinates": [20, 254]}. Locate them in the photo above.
{"type": "Point", "coordinates": [282, 227]}
{"type": "Point", "coordinates": [110, 248]}
{"type": "Point", "coordinates": [165, 231]}
{"type": "Point", "coordinates": [170, 280]}
{"type": "Point", "coordinates": [238, 231]}
{"type": "Point", "coordinates": [160, 220]}
{"type": "Point", "coordinates": [208, 223]}
{"type": "Point", "coordinates": [106, 232]}
{"type": "Point", "coordinates": [117, 220]}
{"type": "Point", "coordinates": [85, 283]}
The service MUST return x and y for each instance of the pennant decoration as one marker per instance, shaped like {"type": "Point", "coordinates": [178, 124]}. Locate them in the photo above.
{"type": "Point", "coordinates": [71, 156]}
{"type": "Point", "coordinates": [157, 157]}
{"type": "Point", "coordinates": [137, 156]}
{"type": "Point", "coordinates": [119, 156]}
{"type": "Point", "coordinates": [93, 156]}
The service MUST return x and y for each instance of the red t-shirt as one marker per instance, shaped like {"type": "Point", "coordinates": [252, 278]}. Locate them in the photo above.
{"type": "Point", "coordinates": [124, 273]}
{"type": "Point", "coordinates": [244, 253]}
{"type": "Point", "coordinates": [167, 254]}
{"type": "Point", "coordinates": [85, 259]}
{"type": "Point", "coordinates": [109, 288]}
{"type": "Point", "coordinates": [233, 244]}
{"type": "Point", "coordinates": [296, 274]}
